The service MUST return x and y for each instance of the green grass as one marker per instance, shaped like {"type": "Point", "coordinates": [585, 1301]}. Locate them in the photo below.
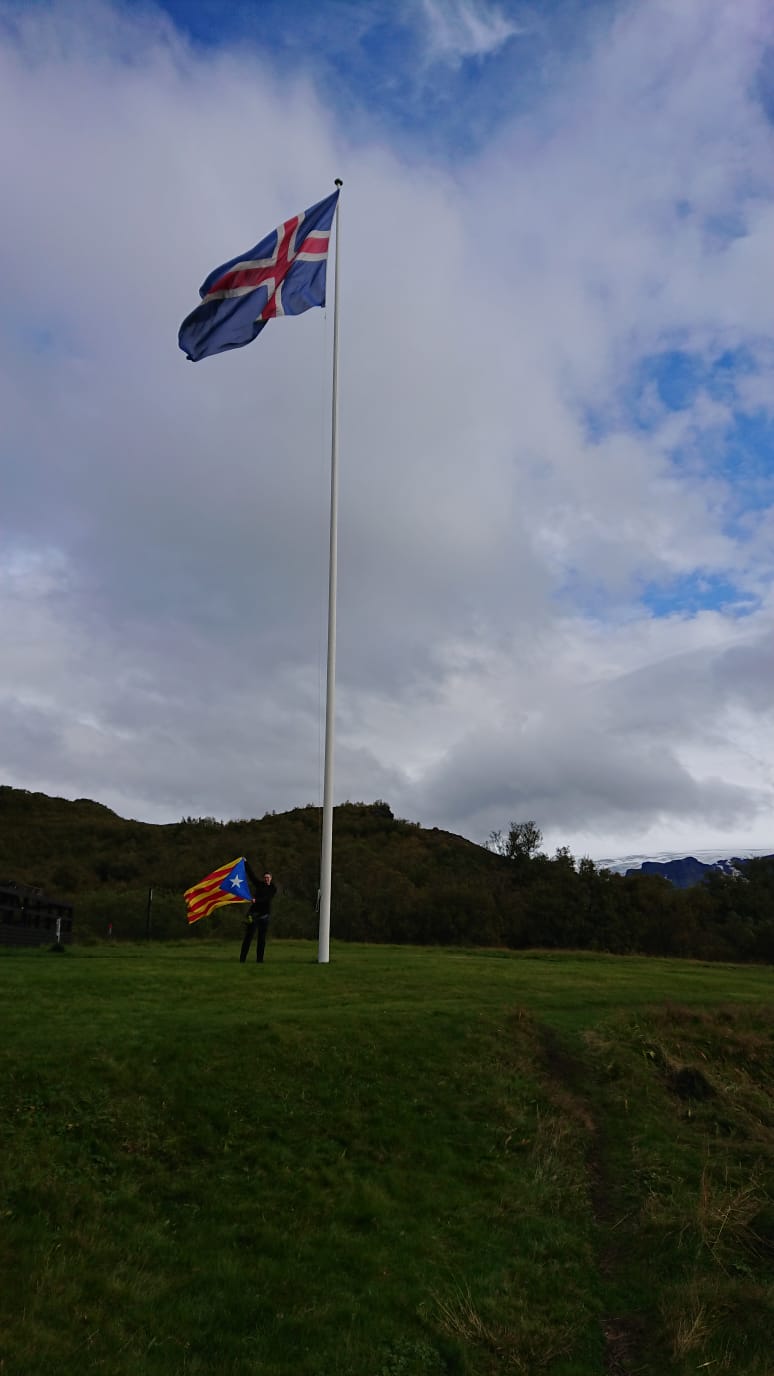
{"type": "Point", "coordinates": [408, 1163]}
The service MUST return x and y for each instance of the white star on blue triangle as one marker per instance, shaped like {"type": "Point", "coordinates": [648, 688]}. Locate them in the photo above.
{"type": "Point", "coordinates": [236, 879]}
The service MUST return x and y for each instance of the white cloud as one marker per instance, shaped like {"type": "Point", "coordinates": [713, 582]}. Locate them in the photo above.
{"type": "Point", "coordinates": [460, 29]}
{"type": "Point", "coordinates": [164, 524]}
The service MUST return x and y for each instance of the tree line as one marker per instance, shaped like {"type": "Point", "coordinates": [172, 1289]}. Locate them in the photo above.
{"type": "Point", "coordinates": [394, 882]}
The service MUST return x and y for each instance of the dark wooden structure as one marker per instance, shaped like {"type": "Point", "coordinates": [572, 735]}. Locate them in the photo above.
{"type": "Point", "coordinates": [29, 917]}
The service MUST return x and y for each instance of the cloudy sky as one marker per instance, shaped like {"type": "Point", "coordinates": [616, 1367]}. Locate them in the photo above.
{"type": "Point", "coordinates": [557, 413]}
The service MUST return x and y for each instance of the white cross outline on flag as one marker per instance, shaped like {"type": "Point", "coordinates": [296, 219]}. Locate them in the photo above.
{"type": "Point", "coordinates": [284, 256]}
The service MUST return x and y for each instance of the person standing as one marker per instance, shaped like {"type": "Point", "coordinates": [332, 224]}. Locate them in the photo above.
{"type": "Point", "coordinates": [258, 914]}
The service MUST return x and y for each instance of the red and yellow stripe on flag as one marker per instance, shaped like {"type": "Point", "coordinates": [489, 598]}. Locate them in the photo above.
{"type": "Point", "coordinates": [210, 893]}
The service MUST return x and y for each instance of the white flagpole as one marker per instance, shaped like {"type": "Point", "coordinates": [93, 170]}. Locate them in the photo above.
{"type": "Point", "coordinates": [323, 945]}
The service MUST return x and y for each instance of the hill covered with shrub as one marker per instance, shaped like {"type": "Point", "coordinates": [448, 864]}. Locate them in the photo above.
{"type": "Point", "coordinates": [393, 881]}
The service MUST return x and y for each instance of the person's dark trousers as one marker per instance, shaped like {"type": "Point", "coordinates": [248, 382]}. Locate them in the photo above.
{"type": "Point", "coordinates": [257, 927]}
{"type": "Point", "coordinates": [260, 940]}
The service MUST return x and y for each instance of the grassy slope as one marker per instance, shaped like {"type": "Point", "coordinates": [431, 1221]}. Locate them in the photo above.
{"type": "Point", "coordinates": [408, 1163]}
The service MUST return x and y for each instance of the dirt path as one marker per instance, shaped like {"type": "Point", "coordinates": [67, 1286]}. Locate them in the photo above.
{"type": "Point", "coordinates": [569, 1079]}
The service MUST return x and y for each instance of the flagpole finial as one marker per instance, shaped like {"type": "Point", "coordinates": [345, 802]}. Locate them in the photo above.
{"type": "Point", "coordinates": [337, 181]}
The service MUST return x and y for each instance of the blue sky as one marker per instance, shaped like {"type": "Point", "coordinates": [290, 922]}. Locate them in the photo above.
{"type": "Point", "coordinates": [738, 452]}
{"type": "Point", "coordinates": [416, 69]}
{"type": "Point", "coordinates": [557, 412]}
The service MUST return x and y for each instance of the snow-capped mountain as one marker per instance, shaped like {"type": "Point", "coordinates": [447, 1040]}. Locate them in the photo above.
{"type": "Point", "coordinates": [681, 870]}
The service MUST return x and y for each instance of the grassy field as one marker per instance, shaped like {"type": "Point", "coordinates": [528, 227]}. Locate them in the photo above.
{"type": "Point", "coordinates": [408, 1163]}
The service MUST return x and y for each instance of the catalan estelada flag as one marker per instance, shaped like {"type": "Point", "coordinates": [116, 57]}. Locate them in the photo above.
{"type": "Point", "coordinates": [226, 885]}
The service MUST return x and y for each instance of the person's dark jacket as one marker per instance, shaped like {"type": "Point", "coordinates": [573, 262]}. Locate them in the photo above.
{"type": "Point", "coordinates": [263, 893]}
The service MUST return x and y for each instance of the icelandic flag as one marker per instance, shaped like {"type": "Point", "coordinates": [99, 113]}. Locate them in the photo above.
{"type": "Point", "coordinates": [283, 275]}
{"type": "Point", "coordinates": [226, 885]}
